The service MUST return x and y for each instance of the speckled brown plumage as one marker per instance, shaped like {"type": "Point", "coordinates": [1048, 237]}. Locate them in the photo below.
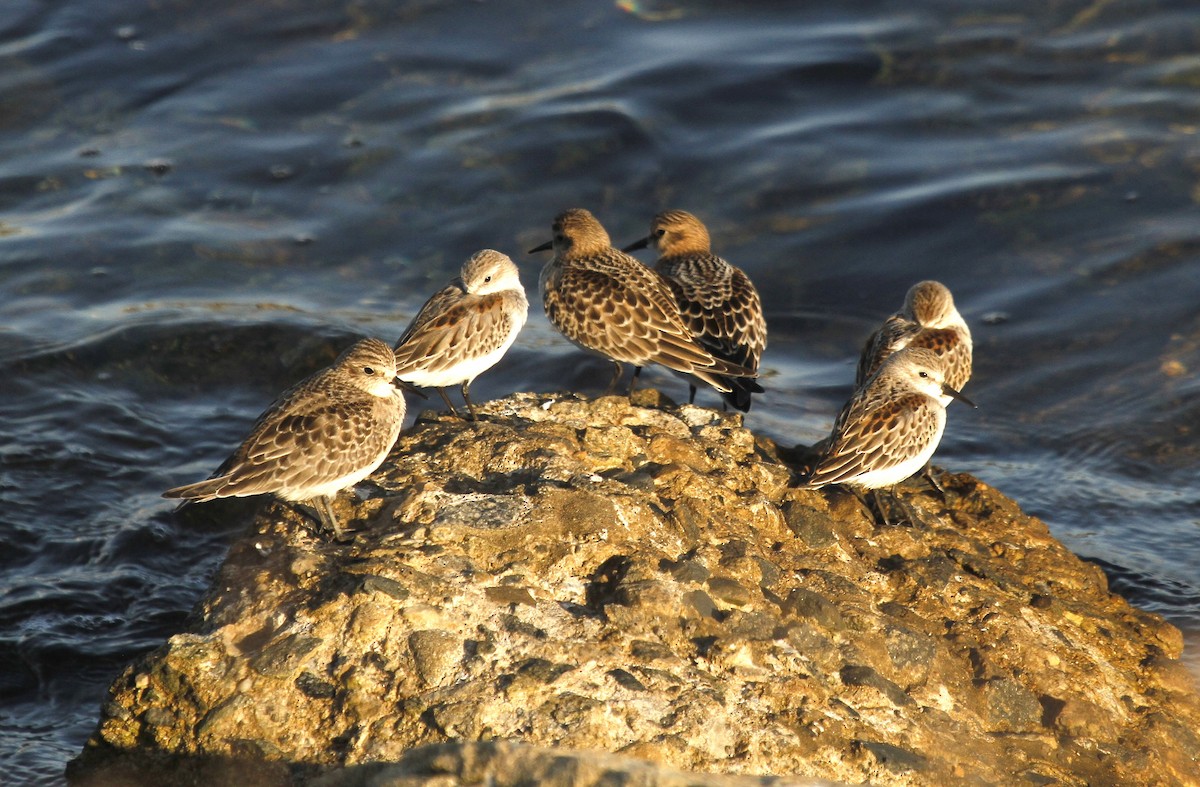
{"type": "Point", "coordinates": [891, 426]}
{"type": "Point", "coordinates": [717, 301]}
{"type": "Point", "coordinates": [930, 320]}
{"type": "Point", "coordinates": [465, 328]}
{"type": "Point", "coordinates": [324, 434]}
{"type": "Point", "coordinates": [607, 302]}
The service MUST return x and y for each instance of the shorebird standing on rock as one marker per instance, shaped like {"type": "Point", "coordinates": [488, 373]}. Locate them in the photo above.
{"type": "Point", "coordinates": [322, 435]}
{"type": "Point", "coordinates": [928, 319]}
{"type": "Point", "coordinates": [718, 301]}
{"type": "Point", "coordinates": [465, 328]}
{"type": "Point", "coordinates": [891, 426]}
{"type": "Point", "coordinates": [608, 303]}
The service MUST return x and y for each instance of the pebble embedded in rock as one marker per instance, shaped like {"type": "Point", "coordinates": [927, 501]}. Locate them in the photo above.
{"type": "Point", "coordinates": [385, 585]}
{"type": "Point", "coordinates": [814, 528]}
{"type": "Point", "coordinates": [436, 655]}
{"type": "Point", "coordinates": [804, 603]}
{"type": "Point", "coordinates": [1011, 707]}
{"type": "Point", "coordinates": [510, 595]}
{"type": "Point", "coordinates": [730, 591]}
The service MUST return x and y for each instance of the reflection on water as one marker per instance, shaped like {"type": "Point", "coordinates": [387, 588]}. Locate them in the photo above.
{"type": "Point", "coordinates": [201, 206]}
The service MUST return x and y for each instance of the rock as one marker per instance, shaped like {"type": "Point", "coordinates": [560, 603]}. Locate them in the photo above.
{"type": "Point", "coordinates": [578, 593]}
{"type": "Point", "coordinates": [512, 764]}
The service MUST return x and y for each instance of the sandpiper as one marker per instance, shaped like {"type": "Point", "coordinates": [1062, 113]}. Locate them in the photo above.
{"type": "Point", "coordinates": [928, 320]}
{"type": "Point", "coordinates": [465, 328]}
{"type": "Point", "coordinates": [608, 303]}
{"type": "Point", "coordinates": [718, 301]}
{"type": "Point", "coordinates": [891, 426]}
{"type": "Point", "coordinates": [322, 435]}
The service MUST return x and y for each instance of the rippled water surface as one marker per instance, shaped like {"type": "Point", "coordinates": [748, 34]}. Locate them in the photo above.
{"type": "Point", "coordinates": [201, 202]}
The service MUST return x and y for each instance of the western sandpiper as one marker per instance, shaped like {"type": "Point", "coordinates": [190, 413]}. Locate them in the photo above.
{"type": "Point", "coordinates": [718, 301]}
{"type": "Point", "coordinates": [608, 303]}
{"type": "Point", "coordinates": [322, 435]}
{"type": "Point", "coordinates": [464, 329]}
{"type": "Point", "coordinates": [928, 320]}
{"type": "Point", "coordinates": [891, 426]}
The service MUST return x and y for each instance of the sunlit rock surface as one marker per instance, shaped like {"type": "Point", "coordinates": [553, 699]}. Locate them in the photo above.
{"type": "Point", "coordinates": [576, 579]}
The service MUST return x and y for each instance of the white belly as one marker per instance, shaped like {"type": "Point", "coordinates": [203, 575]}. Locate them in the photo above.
{"type": "Point", "coordinates": [463, 371]}
{"type": "Point", "coordinates": [890, 476]}
{"type": "Point", "coordinates": [329, 488]}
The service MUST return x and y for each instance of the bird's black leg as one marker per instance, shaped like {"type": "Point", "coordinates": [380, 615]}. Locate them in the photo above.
{"type": "Point", "coordinates": [466, 392]}
{"type": "Point", "coordinates": [927, 471]}
{"type": "Point", "coordinates": [325, 514]}
{"type": "Point", "coordinates": [908, 510]}
{"type": "Point", "coordinates": [879, 506]}
{"type": "Point", "coordinates": [637, 372]}
{"type": "Point", "coordinates": [871, 505]}
{"type": "Point", "coordinates": [616, 378]}
{"type": "Point", "coordinates": [446, 399]}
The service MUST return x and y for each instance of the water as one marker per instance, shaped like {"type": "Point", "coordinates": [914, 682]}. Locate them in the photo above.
{"type": "Point", "coordinates": [201, 202]}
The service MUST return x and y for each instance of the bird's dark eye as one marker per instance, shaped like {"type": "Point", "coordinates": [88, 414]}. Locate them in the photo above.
{"type": "Point", "coordinates": [660, 232]}
{"type": "Point", "coordinates": [923, 374]}
{"type": "Point", "coordinates": [487, 279]}
{"type": "Point", "coordinates": [367, 370]}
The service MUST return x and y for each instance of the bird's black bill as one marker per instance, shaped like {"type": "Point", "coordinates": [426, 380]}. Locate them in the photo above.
{"type": "Point", "coordinates": [955, 394]}
{"type": "Point", "coordinates": [412, 389]}
{"type": "Point", "coordinates": [638, 244]}
{"type": "Point", "coordinates": [544, 247]}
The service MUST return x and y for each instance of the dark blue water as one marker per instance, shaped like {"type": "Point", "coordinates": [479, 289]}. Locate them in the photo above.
{"type": "Point", "coordinates": [201, 202]}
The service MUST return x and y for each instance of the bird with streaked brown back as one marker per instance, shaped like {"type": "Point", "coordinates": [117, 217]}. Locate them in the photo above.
{"type": "Point", "coordinates": [930, 320]}
{"type": "Point", "coordinates": [608, 303]}
{"type": "Point", "coordinates": [465, 328]}
{"type": "Point", "coordinates": [717, 300]}
{"type": "Point", "coordinates": [324, 434]}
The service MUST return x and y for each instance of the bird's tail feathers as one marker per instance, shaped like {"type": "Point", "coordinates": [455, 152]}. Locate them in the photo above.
{"type": "Point", "coordinates": [200, 491]}
{"type": "Point", "coordinates": [740, 389]}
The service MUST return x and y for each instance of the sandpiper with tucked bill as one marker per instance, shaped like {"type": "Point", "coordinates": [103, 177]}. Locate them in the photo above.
{"type": "Point", "coordinates": [322, 435]}
{"type": "Point", "coordinates": [891, 425]}
{"type": "Point", "coordinates": [717, 300]}
{"type": "Point", "coordinates": [606, 302]}
{"type": "Point", "coordinates": [465, 328]}
{"type": "Point", "coordinates": [930, 320]}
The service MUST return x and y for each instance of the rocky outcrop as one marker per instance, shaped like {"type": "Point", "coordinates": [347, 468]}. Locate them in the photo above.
{"type": "Point", "coordinates": [569, 580]}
